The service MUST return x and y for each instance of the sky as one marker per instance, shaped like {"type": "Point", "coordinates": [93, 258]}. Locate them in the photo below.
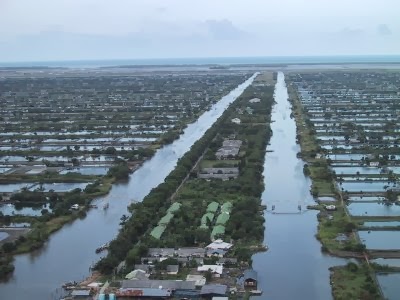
{"type": "Point", "coordinates": [45, 30]}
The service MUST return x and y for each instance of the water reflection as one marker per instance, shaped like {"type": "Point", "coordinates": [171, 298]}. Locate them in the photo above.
{"type": "Point", "coordinates": [293, 267]}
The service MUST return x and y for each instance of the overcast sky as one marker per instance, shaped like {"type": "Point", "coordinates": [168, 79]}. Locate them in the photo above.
{"type": "Point", "coordinates": [41, 30]}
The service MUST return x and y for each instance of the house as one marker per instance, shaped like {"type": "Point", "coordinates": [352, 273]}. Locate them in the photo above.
{"type": "Point", "coordinates": [199, 280]}
{"type": "Point", "coordinates": [213, 290]}
{"type": "Point", "coordinates": [172, 269]}
{"type": "Point", "coordinates": [250, 278]}
{"type": "Point", "coordinates": [81, 294]}
{"type": "Point", "coordinates": [219, 244]}
{"type": "Point", "coordinates": [330, 207]}
{"type": "Point", "coordinates": [136, 275]}
{"type": "Point", "coordinates": [75, 206]}
{"type": "Point", "coordinates": [146, 268]}
{"type": "Point", "coordinates": [151, 293]}
{"type": "Point", "coordinates": [255, 100]}
{"type": "Point", "coordinates": [158, 284]}
{"type": "Point", "coordinates": [216, 253]}
{"type": "Point", "coordinates": [215, 269]}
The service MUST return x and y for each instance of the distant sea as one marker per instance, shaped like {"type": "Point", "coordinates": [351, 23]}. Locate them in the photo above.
{"type": "Point", "coordinates": [271, 60]}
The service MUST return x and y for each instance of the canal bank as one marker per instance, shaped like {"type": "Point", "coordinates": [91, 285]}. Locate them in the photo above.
{"type": "Point", "coordinates": [294, 266]}
{"type": "Point", "coordinates": [69, 253]}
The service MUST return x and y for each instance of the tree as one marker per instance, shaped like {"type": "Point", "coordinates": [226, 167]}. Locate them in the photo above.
{"type": "Point", "coordinates": [8, 247]}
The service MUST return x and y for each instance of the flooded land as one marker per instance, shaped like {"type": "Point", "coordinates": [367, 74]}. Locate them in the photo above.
{"type": "Point", "coordinates": [349, 134]}
{"type": "Point", "coordinates": [100, 226]}
{"type": "Point", "coordinates": [200, 182]}
{"type": "Point", "coordinates": [64, 141]}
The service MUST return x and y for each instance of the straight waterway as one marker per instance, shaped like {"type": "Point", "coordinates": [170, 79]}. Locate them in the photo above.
{"type": "Point", "coordinates": [293, 267]}
{"type": "Point", "coordinates": [71, 251]}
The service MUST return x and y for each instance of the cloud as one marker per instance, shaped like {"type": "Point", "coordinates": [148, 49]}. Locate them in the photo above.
{"type": "Point", "coordinates": [351, 32]}
{"type": "Point", "coordinates": [383, 29]}
{"type": "Point", "coordinates": [223, 30]}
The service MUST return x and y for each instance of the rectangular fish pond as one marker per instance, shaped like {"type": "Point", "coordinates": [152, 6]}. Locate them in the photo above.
{"type": "Point", "coordinates": [380, 240]}
{"type": "Point", "coordinates": [10, 209]}
{"type": "Point", "coordinates": [366, 186]}
{"type": "Point", "coordinates": [60, 186]}
{"type": "Point", "coordinates": [373, 209]}
{"type": "Point", "coordinates": [389, 284]}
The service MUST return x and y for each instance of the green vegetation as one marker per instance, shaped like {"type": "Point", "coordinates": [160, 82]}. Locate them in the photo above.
{"type": "Point", "coordinates": [6, 266]}
{"type": "Point", "coordinates": [245, 224]}
{"type": "Point", "coordinates": [353, 281]}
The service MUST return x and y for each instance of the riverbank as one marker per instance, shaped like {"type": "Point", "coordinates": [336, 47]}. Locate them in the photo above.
{"type": "Point", "coordinates": [336, 228]}
{"type": "Point", "coordinates": [101, 226]}
{"type": "Point", "coordinates": [231, 210]}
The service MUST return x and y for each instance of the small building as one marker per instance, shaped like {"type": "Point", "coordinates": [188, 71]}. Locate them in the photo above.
{"type": "Point", "coordinates": [236, 121]}
{"type": "Point", "coordinates": [75, 206]}
{"type": "Point", "coordinates": [227, 261]}
{"type": "Point", "coordinates": [330, 207]}
{"type": "Point", "coordinates": [215, 269]}
{"type": "Point", "coordinates": [219, 244]}
{"type": "Point", "coordinates": [255, 100]}
{"type": "Point", "coordinates": [199, 280]}
{"type": "Point", "coordinates": [156, 284]}
{"type": "Point", "coordinates": [213, 290]}
{"type": "Point", "coordinates": [151, 293]}
{"type": "Point", "coordinates": [250, 278]}
{"type": "Point", "coordinates": [216, 253]}
{"type": "Point", "coordinates": [172, 269]}
{"type": "Point", "coordinates": [81, 294]}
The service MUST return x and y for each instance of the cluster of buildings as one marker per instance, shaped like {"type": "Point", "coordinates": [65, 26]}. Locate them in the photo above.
{"type": "Point", "coordinates": [228, 151]}
{"type": "Point", "coordinates": [138, 284]}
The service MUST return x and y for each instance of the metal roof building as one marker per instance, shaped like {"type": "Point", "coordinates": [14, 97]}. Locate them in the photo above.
{"type": "Point", "coordinates": [157, 284]}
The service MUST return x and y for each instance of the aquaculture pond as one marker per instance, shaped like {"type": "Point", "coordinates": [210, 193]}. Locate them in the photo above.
{"type": "Point", "coordinates": [60, 186]}
{"type": "Point", "coordinates": [382, 224]}
{"type": "Point", "coordinates": [38, 275]}
{"type": "Point", "coordinates": [366, 186]}
{"type": "Point", "coordinates": [87, 170]}
{"type": "Point", "coordinates": [366, 198]}
{"type": "Point", "coordinates": [392, 262]}
{"type": "Point", "coordinates": [3, 170]}
{"type": "Point", "coordinates": [10, 209]}
{"type": "Point", "coordinates": [357, 170]}
{"type": "Point", "coordinates": [380, 239]}
{"type": "Point", "coordinates": [13, 187]}
{"type": "Point", "coordinates": [373, 209]}
{"type": "Point", "coordinates": [389, 284]}
{"type": "Point", "coordinates": [346, 156]}
{"type": "Point", "coordinates": [3, 235]}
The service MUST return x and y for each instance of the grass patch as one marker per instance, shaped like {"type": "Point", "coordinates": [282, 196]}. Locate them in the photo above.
{"type": "Point", "coordinates": [219, 163]}
{"type": "Point", "coordinates": [353, 281]}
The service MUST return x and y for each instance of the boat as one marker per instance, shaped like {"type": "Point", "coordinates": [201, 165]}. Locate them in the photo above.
{"type": "Point", "coordinates": [102, 248]}
{"type": "Point", "coordinates": [256, 292]}
{"type": "Point", "coordinates": [69, 285]}
{"type": "Point", "coordinates": [106, 206]}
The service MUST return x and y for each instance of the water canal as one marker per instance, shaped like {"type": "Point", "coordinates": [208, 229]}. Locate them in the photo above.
{"type": "Point", "coordinates": [69, 252]}
{"type": "Point", "coordinates": [293, 267]}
